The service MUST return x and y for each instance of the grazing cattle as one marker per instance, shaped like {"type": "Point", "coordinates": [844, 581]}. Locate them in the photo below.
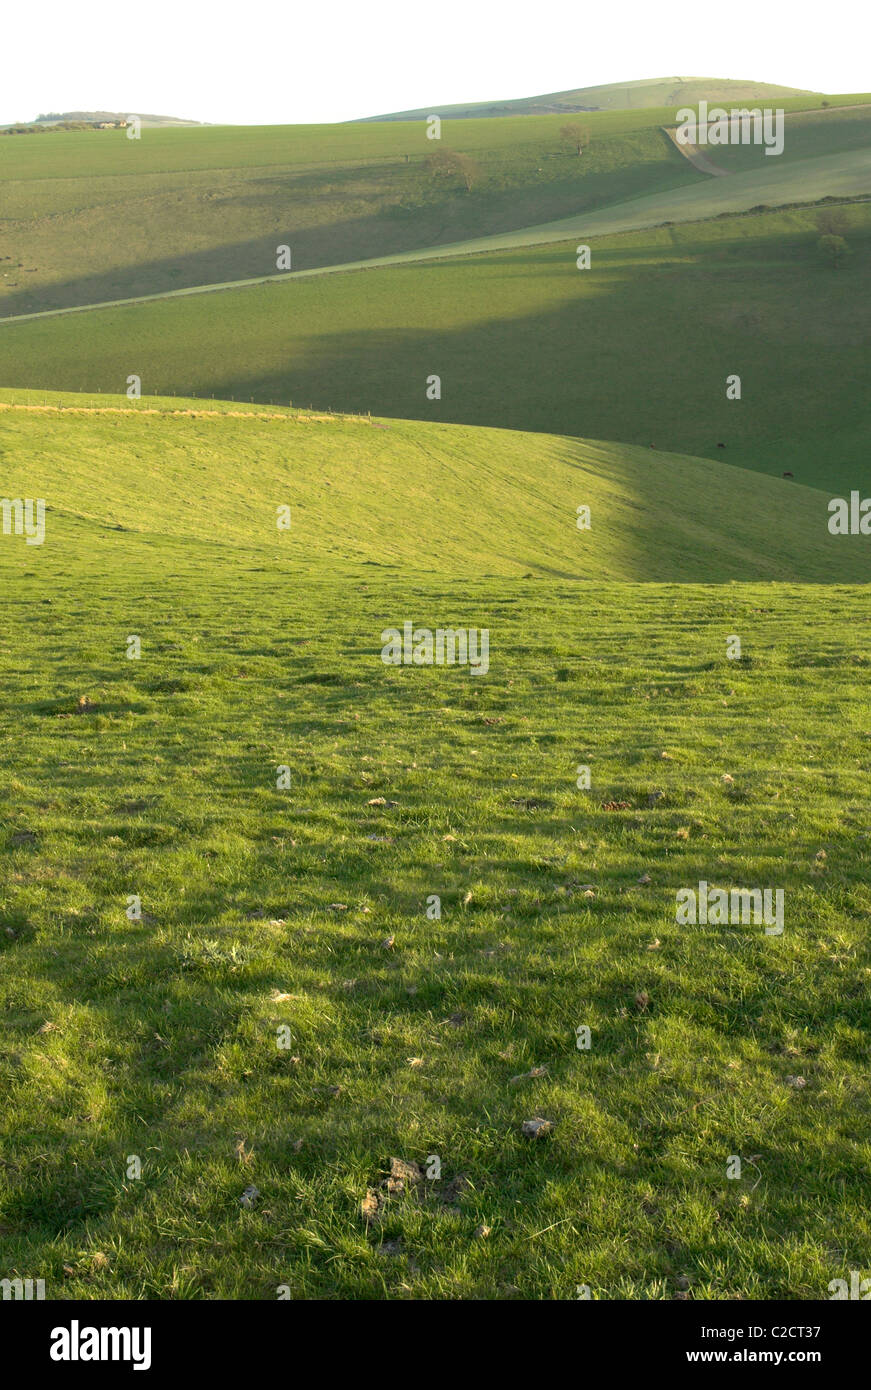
{"type": "Point", "coordinates": [787, 475]}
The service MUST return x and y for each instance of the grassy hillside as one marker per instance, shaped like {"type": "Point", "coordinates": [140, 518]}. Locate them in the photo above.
{"type": "Point", "coordinates": [845, 175]}
{"type": "Point", "coordinates": [636, 350]}
{"type": "Point", "coordinates": [183, 207]}
{"type": "Point", "coordinates": [464, 501]}
{"type": "Point", "coordinates": [410, 1036]}
{"type": "Point", "coordinates": [808, 135]}
{"type": "Point", "coordinates": [758, 186]}
{"type": "Point", "coordinates": [649, 92]}
{"type": "Point", "coordinates": [108, 218]}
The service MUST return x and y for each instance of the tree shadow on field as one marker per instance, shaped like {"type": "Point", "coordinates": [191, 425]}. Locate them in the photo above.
{"type": "Point", "coordinates": [643, 362]}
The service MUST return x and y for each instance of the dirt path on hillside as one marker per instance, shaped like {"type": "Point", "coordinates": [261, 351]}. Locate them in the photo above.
{"type": "Point", "coordinates": [694, 155]}
{"type": "Point", "coordinates": [829, 110]}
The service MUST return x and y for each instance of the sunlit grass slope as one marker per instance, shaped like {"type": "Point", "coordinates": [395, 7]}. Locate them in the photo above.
{"type": "Point", "coordinates": [396, 495]}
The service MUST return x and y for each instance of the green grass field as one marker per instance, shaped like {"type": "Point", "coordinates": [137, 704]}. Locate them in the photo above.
{"type": "Point", "coordinates": [157, 1038]}
{"type": "Point", "coordinates": [811, 182]}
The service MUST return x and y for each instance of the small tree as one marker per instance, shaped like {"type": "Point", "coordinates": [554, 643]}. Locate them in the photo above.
{"type": "Point", "coordinates": [577, 135]}
{"type": "Point", "coordinates": [834, 248]}
{"type": "Point", "coordinates": [833, 222]}
{"type": "Point", "coordinates": [468, 171]}
{"type": "Point", "coordinates": [448, 164]}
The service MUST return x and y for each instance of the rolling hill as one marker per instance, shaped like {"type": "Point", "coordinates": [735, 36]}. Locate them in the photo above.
{"type": "Point", "coordinates": [107, 218]}
{"type": "Point", "coordinates": [612, 96]}
{"type": "Point", "coordinates": [185, 480]}
{"type": "Point", "coordinates": [844, 175]}
{"type": "Point", "coordinates": [147, 120]}
{"type": "Point", "coordinates": [635, 350]}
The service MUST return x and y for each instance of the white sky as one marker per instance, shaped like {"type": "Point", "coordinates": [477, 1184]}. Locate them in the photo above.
{"type": "Point", "coordinates": [268, 62]}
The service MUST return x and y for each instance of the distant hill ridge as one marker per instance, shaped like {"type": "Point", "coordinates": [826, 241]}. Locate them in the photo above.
{"type": "Point", "coordinates": [53, 117]}
{"type": "Point", "coordinates": [613, 96]}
